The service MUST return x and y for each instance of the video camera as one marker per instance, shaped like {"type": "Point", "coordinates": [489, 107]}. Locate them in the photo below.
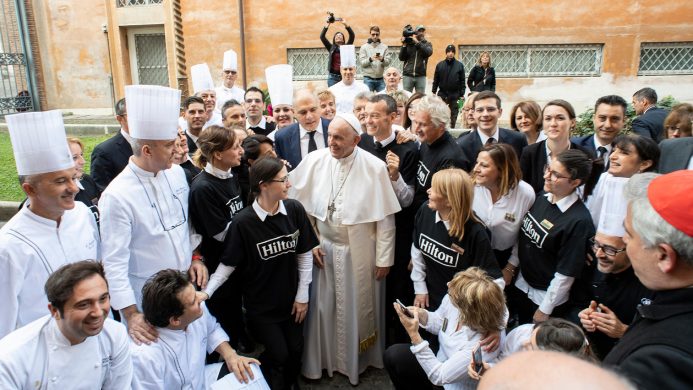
{"type": "Point", "coordinates": [331, 18]}
{"type": "Point", "coordinates": [408, 32]}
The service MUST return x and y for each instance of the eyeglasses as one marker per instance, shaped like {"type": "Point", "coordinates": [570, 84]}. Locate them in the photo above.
{"type": "Point", "coordinates": [553, 175]}
{"type": "Point", "coordinates": [607, 249]}
{"type": "Point", "coordinates": [375, 34]}
{"type": "Point", "coordinates": [158, 214]}
{"type": "Point", "coordinates": [230, 72]}
{"type": "Point", "coordinates": [282, 180]}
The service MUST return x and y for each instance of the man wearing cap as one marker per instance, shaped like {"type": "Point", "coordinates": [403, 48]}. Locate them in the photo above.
{"type": "Point", "coordinates": [51, 229]}
{"type": "Point", "coordinates": [227, 90]}
{"type": "Point", "coordinates": [112, 155]}
{"type": "Point", "coordinates": [374, 59]}
{"type": "Point", "coordinates": [448, 82]}
{"type": "Point", "coordinates": [345, 90]}
{"type": "Point", "coordinates": [144, 222]}
{"type": "Point", "coordinates": [345, 324]}
{"type": "Point", "coordinates": [75, 347]}
{"type": "Point", "coordinates": [657, 350]}
{"type": "Point", "coordinates": [254, 109]}
{"type": "Point", "coordinates": [295, 141]}
{"type": "Point", "coordinates": [281, 90]}
{"type": "Point", "coordinates": [414, 53]}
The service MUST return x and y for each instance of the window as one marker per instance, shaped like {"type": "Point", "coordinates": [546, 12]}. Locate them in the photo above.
{"type": "Point", "coordinates": [148, 62]}
{"type": "Point", "coordinates": [667, 58]}
{"type": "Point", "coordinates": [311, 63]}
{"type": "Point", "coordinates": [130, 3]}
{"type": "Point", "coordinates": [537, 60]}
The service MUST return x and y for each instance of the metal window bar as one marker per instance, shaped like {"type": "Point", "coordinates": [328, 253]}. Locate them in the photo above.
{"type": "Point", "coordinates": [152, 67]}
{"type": "Point", "coordinates": [16, 91]}
{"type": "Point", "coordinates": [134, 3]}
{"type": "Point", "coordinates": [666, 58]}
{"type": "Point", "coordinates": [537, 60]}
{"type": "Point", "coordinates": [311, 63]}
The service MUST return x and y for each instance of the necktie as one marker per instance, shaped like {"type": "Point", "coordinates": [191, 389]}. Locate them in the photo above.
{"type": "Point", "coordinates": [378, 146]}
{"type": "Point", "coordinates": [490, 141]}
{"type": "Point", "coordinates": [312, 146]}
{"type": "Point", "coordinates": [601, 151]}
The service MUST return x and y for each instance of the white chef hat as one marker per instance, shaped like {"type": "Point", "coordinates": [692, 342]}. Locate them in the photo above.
{"type": "Point", "coordinates": [280, 84]}
{"type": "Point", "coordinates": [152, 111]}
{"type": "Point", "coordinates": [201, 78]}
{"type": "Point", "coordinates": [614, 207]}
{"type": "Point", "coordinates": [347, 56]}
{"type": "Point", "coordinates": [351, 120]}
{"type": "Point", "coordinates": [39, 142]}
{"type": "Point", "coordinates": [230, 60]}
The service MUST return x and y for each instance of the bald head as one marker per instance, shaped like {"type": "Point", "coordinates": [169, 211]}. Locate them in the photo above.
{"type": "Point", "coordinates": [544, 370]}
{"type": "Point", "coordinates": [306, 109]}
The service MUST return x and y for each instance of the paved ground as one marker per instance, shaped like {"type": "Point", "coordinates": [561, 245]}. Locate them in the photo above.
{"type": "Point", "coordinates": [371, 379]}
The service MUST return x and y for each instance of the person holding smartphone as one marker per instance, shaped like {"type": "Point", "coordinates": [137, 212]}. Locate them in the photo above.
{"type": "Point", "coordinates": [473, 307]}
{"type": "Point", "coordinates": [374, 59]}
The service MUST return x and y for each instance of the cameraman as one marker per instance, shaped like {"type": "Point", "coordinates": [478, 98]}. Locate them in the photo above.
{"type": "Point", "coordinates": [333, 65]}
{"type": "Point", "coordinates": [374, 59]}
{"type": "Point", "coordinates": [414, 53]}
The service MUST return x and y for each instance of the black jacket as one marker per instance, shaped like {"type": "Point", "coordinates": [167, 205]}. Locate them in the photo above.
{"type": "Point", "coordinates": [448, 80]}
{"type": "Point", "coordinates": [415, 58]}
{"type": "Point", "coordinates": [109, 158]}
{"type": "Point", "coordinates": [533, 161]}
{"type": "Point", "coordinates": [476, 83]}
{"type": "Point", "coordinates": [651, 124]}
{"type": "Point", "coordinates": [332, 47]}
{"type": "Point", "coordinates": [471, 142]}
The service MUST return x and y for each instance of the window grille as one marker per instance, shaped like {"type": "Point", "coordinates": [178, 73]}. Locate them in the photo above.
{"type": "Point", "coordinates": [537, 60]}
{"type": "Point", "coordinates": [152, 68]}
{"type": "Point", "coordinates": [666, 58]}
{"type": "Point", "coordinates": [311, 63]}
{"type": "Point", "coordinates": [131, 3]}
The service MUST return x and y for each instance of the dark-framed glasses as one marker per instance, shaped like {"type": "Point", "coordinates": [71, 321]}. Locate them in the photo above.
{"type": "Point", "coordinates": [282, 180]}
{"type": "Point", "coordinates": [165, 226]}
{"type": "Point", "coordinates": [554, 176]}
{"type": "Point", "coordinates": [607, 249]}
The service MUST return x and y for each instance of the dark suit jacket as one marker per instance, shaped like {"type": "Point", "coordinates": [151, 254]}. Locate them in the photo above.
{"type": "Point", "coordinates": [192, 146]}
{"type": "Point", "coordinates": [269, 127]}
{"type": "Point", "coordinates": [287, 142]}
{"type": "Point", "coordinates": [533, 161]}
{"type": "Point", "coordinates": [675, 154]}
{"type": "Point", "coordinates": [586, 141]}
{"type": "Point", "coordinates": [109, 158]}
{"type": "Point", "coordinates": [471, 142]}
{"type": "Point", "coordinates": [651, 123]}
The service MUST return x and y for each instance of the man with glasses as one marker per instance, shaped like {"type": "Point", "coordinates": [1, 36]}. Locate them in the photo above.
{"type": "Point", "coordinates": [227, 90]}
{"type": "Point", "coordinates": [254, 109]}
{"type": "Point", "coordinates": [487, 110]}
{"type": "Point", "coordinates": [145, 209]}
{"type": "Point", "coordinates": [374, 59]}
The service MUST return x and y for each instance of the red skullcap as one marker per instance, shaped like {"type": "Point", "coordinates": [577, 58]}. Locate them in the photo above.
{"type": "Point", "coordinates": [671, 196]}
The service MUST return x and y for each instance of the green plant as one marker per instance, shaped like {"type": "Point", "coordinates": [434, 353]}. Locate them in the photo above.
{"type": "Point", "coordinates": [585, 126]}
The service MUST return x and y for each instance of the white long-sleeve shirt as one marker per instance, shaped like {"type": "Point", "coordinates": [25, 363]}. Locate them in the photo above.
{"type": "Point", "coordinates": [33, 247]}
{"type": "Point", "coordinates": [38, 356]}
{"type": "Point", "coordinates": [135, 208]}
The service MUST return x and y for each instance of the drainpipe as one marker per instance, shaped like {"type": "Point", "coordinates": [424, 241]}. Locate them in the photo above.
{"type": "Point", "coordinates": [241, 22]}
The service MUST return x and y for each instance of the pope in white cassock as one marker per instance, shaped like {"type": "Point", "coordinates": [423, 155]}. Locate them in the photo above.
{"type": "Point", "coordinates": [347, 193]}
{"type": "Point", "coordinates": [75, 347]}
{"type": "Point", "coordinates": [51, 229]}
{"type": "Point", "coordinates": [346, 90]}
{"type": "Point", "coordinates": [144, 211]}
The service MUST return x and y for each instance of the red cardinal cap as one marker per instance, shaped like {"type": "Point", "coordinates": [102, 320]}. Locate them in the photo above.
{"type": "Point", "coordinates": [671, 196]}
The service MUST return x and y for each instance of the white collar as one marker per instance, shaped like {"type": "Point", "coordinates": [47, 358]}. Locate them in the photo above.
{"type": "Point", "coordinates": [548, 151]}
{"type": "Point", "coordinates": [126, 135]}
{"type": "Point", "coordinates": [304, 132]}
{"type": "Point", "coordinates": [262, 214]}
{"type": "Point", "coordinates": [191, 135]}
{"type": "Point", "coordinates": [439, 219]}
{"type": "Point", "coordinates": [223, 87]}
{"type": "Point", "coordinates": [484, 137]}
{"type": "Point", "coordinates": [597, 145]}
{"type": "Point", "coordinates": [216, 172]}
{"type": "Point", "coordinates": [387, 140]}
{"type": "Point", "coordinates": [262, 124]}
{"type": "Point", "coordinates": [42, 220]}
{"type": "Point", "coordinates": [78, 182]}
{"type": "Point", "coordinates": [139, 171]}
{"type": "Point", "coordinates": [565, 203]}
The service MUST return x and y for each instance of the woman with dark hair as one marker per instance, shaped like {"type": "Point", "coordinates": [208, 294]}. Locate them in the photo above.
{"type": "Point", "coordinates": [257, 146]}
{"type": "Point", "coordinates": [554, 239]}
{"type": "Point", "coordinates": [333, 63]}
{"type": "Point", "coordinates": [410, 108]}
{"type": "Point", "coordinates": [482, 77]}
{"type": "Point", "coordinates": [269, 247]}
{"type": "Point", "coordinates": [678, 123]}
{"type": "Point", "coordinates": [557, 123]}
{"type": "Point", "coordinates": [525, 117]}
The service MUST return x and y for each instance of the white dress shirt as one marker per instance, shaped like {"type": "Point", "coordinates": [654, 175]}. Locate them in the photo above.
{"type": "Point", "coordinates": [484, 138]}
{"type": "Point", "coordinates": [38, 356]}
{"type": "Point", "coordinates": [225, 94]}
{"type": "Point", "coordinates": [304, 138]}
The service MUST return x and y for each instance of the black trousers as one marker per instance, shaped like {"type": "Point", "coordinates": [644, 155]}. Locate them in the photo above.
{"type": "Point", "coordinates": [281, 359]}
{"type": "Point", "coordinates": [454, 110]}
{"type": "Point", "coordinates": [526, 308]}
{"type": "Point", "coordinates": [227, 306]}
{"type": "Point", "coordinates": [404, 370]}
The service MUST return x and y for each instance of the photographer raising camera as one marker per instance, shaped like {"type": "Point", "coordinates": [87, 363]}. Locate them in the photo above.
{"type": "Point", "coordinates": [414, 53]}
{"type": "Point", "coordinates": [333, 65]}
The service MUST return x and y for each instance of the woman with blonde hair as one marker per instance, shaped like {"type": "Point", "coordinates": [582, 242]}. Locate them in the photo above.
{"type": "Point", "coordinates": [482, 77]}
{"type": "Point", "coordinates": [447, 238]}
{"type": "Point", "coordinates": [326, 103]}
{"type": "Point", "coordinates": [473, 307]}
{"type": "Point", "coordinates": [525, 117]}
{"type": "Point", "coordinates": [89, 192]}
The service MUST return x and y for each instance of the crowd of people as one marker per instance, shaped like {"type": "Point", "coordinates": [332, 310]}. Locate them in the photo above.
{"type": "Point", "coordinates": [335, 229]}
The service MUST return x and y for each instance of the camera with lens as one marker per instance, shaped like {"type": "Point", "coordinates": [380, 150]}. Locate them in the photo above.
{"type": "Point", "coordinates": [407, 33]}
{"type": "Point", "coordinates": [331, 18]}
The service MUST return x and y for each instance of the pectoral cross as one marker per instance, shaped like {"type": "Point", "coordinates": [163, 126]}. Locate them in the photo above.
{"type": "Point", "coordinates": [331, 209]}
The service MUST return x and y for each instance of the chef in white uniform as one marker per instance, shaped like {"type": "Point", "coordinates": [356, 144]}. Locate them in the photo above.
{"type": "Point", "coordinates": [51, 229]}
{"type": "Point", "coordinates": [187, 332]}
{"type": "Point", "coordinates": [75, 347]}
{"type": "Point", "coordinates": [203, 87]}
{"type": "Point", "coordinates": [346, 90]}
{"type": "Point", "coordinates": [229, 74]}
{"type": "Point", "coordinates": [144, 220]}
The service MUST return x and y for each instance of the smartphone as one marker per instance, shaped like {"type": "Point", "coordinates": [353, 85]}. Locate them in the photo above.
{"type": "Point", "coordinates": [377, 54]}
{"type": "Point", "coordinates": [404, 309]}
{"type": "Point", "coordinates": [477, 359]}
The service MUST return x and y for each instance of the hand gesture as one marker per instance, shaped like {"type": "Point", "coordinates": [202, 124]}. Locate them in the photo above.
{"type": "Point", "coordinates": [607, 322]}
{"type": "Point", "coordinates": [139, 329]}
{"type": "Point", "coordinates": [586, 317]}
{"type": "Point", "coordinates": [198, 273]}
{"type": "Point", "coordinates": [392, 161]}
{"type": "Point", "coordinates": [319, 257]}
{"type": "Point", "coordinates": [491, 341]}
